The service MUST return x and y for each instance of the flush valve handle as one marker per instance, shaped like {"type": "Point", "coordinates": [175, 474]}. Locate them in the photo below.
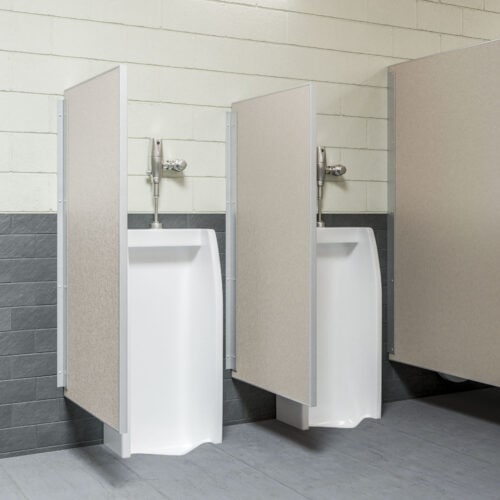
{"type": "Point", "coordinates": [336, 170]}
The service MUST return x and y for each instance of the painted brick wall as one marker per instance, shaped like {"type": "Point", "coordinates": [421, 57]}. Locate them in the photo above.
{"type": "Point", "coordinates": [189, 59]}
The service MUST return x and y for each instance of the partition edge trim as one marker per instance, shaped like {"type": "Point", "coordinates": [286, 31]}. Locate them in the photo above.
{"type": "Point", "coordinates": [313, 247]}
{"type": "Point", "coordinates": [124, 343]}
{"type": "Point", "coordinates": [231, 207]}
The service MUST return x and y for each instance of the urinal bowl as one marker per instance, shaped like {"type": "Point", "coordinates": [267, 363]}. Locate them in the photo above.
{"type": "Point", "coordinates": [175, 341]}
{"type": "Point", "coordinates": [349, 333]}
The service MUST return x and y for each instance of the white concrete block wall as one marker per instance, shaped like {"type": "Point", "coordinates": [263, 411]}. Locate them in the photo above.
{"type": "Point", "coordinates": [189, 59]}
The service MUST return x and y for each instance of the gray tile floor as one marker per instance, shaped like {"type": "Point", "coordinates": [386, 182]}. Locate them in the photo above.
{"type": "Point", "coordinates": [445, 447]}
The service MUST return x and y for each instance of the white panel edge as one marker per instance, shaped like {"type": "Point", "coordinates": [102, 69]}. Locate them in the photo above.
{"type": "Point", "coordinates": [116, 442]}
{"type": "Point", "coordinates": [313, 237]}
{"type": "Point", "coordinates": [231, 207]}
{"type": "Point", "coordinates": [124, 344]}
{"type": "Point", "coordinates": [292, 413]}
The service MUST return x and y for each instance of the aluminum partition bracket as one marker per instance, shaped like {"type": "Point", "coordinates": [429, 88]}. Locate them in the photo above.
{"type": "Point", "coordinates": [231, 207]}
{"type": "Point", "coordinates": [61, 249]}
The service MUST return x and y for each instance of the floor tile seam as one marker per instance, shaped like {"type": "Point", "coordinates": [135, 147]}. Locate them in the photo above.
{"type": "Point", "coordinates": [376, 466]}
{"type": "Point", "coordinates": [441, 446]}
{"type": "Point", "coordinates": [112, 488]}
{"type": "Point", "coordinates": [360, 462]}
{"type": "Point", "coordinates": [475, 425]}
{"type": "Point", "coordinates": [124, 462]}
{"type": "Point", "coordinates": [150, 482]}
{"type": "Point", "coordinates": [89, 467]}
{"type": "Point", "coordinates": [288, 487]}
{"type": "Point", "coordinates": [14, 482]}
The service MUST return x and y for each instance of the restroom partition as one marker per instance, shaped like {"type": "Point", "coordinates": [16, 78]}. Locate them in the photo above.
{"type": "Point", "coordinates": [271, 235]}
{"type": "Point", "coordinates": [92, 246]}
{"type": "Point", "coordinates": [445, 204]}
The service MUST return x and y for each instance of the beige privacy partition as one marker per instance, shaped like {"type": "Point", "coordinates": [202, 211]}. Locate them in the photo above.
{"type": "Point", "coordinates": [95, 175]}
{"type": "Point", "coordinates": [273, 146]}
{"type": "Point", "coordinates": [446, 147]}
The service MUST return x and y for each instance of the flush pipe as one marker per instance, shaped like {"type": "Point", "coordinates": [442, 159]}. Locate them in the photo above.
{"type": "Point", "coordinates": [158, 168]}
{"type": "Point", "coordinates": [322, 169]}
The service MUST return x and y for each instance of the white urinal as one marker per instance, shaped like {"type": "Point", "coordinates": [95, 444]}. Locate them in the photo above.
{"type": "Point", "coordinates": [175, 341]}
{"type": "Point", "coordinates": [349, 333]}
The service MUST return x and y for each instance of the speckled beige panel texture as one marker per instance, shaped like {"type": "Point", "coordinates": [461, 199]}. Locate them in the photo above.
{"type": "Point", "coordinates": [275, 243]}
{"type": "Point", "coordinates": [92, 171]}
{"type": "Point", "coordinates": [447, 231]}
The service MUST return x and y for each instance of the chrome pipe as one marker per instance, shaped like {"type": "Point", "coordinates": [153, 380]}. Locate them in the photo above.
{"type": "Point", "coordinates": [156, 172]}
{"type": "Point", "coordinates": [320, 179]}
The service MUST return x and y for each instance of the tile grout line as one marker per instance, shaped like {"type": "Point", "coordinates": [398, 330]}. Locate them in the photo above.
{"type": "Point", "coordinates": [14, 482]}
{"type": "Point", "coordinates": [224, 452]}
{"type": "Point", "coordinates": [160, 27]}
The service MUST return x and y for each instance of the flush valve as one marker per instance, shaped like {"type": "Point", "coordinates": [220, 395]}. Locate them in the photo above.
{"type": "Point", "coordinates": [322, 170]}
{"type": "Point", "coordinates": [158, 168]}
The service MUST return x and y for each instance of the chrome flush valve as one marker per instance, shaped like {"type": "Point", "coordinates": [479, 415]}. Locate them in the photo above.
{"type": "Point", "coordinates": [158, 169]}
{"type": "Point", "coordinates": [322, 169]}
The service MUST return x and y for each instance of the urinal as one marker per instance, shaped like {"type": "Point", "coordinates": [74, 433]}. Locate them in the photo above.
{"type": "Point", "coordinates": [175, 342]}
{"type": "Point", "coordinates": [349, 333]}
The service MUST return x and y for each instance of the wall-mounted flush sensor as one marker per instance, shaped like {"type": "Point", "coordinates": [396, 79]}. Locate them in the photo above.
{"type": "Point", "coordinates": [322, 169]}
{"type": "Point", "coordinates": [158, 168]}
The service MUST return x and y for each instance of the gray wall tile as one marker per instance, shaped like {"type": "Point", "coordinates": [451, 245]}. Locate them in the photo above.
{"type": "Point", "coordinates": [17, 391]}
{"type": "Point", "coordinates": [16, 246]}
{"type": "Point", "coordinates": [18, 438]}
{"type": "Point", "coordinates": [35, 412]}
{"type": "Point", "coordinates": [46, 388]}
{"type": "Point", "coordinates": [77, 431]}
{"type": "Point", "coordinates": [33, 365]}
{"type": "Point", "coordinates": [5, 223]}
{"type": "Point", "coordinates": [46, 340]}
{"type": "Point", "coordinates": [28, 318]}
{"type": "Point", "coordinates": [45, 245]}
{"type": "Point", "coordinates": [142, 221]}
{"type": "Point", "coordinates": [375, 221]}
{"type": "Point", "coordinates": [28, 270]}
{"type": "Point", "coordinates": [217, 222]}
{"type": "Point", "coordinates": [71, 411]}
{"type": "Point", "coordinates": [5, 367]}
{"type": "Point", "coordinates": [5, 320]}
{"type": "Point", "coordinates": [139, 221]}
{"type": "Point", "coordinates": [33, 223]}
{"type": "Point", "coordinates": [5, 416]}
{"type": "Point", "coordinates": [174, 221]}
{"type": "Point", "coordinates": [27, 294]}
{"type": "Point", "coordinates": [17, 342]}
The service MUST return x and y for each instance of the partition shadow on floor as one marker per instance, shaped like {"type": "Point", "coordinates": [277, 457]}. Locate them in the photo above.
{"type": "Point", "coordinates": [286, 434]}
{"type": "Point", "coordinates": [483, 404]}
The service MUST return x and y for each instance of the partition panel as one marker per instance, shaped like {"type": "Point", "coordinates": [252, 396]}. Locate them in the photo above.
{"type": "Point", "coordinates": [275, 242]}
{"type": "Point", "coordinates": [95, 170]}
{"type": "Point", "coordinates": [446, 151]}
